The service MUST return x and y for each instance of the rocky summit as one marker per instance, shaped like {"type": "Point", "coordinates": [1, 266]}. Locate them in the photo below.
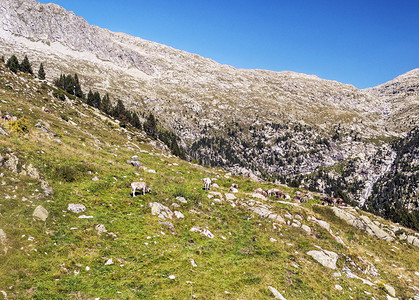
{"type": "Point", "coordinates": [291, 159]}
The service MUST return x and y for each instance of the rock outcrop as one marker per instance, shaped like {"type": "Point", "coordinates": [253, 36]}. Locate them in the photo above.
{"type": "Point", "coordinates": [324, 257]}
{"type": "Point", "coordinates": [363, 223]}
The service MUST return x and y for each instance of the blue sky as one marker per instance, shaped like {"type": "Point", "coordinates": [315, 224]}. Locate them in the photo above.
{"type": "Point", "coordinates": [364, 43]}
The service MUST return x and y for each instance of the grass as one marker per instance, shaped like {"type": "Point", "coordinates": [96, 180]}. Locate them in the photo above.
{"type": "Point", "coordinates": [65, 257]}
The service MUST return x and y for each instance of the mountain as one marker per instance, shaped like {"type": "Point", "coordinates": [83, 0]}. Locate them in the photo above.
{"type": "Point", "coordinates": [70, 228]}
{"type": "Point", "coordinates": [294, 128]}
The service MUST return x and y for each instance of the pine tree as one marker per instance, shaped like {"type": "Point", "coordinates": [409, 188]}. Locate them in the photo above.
{"type": "Point", "coordinates": [96, 100]}
{"type": "Point", "coordinates": [150, 126]}
{"type": "Point", "coordinates": [106, 104]}
{"type": "Point", "coordinates": [13, 64]}
{"type": "Point", "coordinates": [69, 84]}
{"type": "Point", "coordinates": [25, 66]}
{"type": "Point", "coordinates": [135, 121]}
{"type": "Point", "coordinates": [90, 99]}
{"type": "Point", "coordinates": [77, 88]}
{"type": "Point", "coordinates": [2, 58]}
{"type": "Point", "coordinates": [119, 110]}
{"type": "Point", "coordinates": [41, 72]}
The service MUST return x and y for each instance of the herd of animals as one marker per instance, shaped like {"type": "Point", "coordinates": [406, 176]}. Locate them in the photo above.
{"type": "Point", "coordinates": [143, 188]}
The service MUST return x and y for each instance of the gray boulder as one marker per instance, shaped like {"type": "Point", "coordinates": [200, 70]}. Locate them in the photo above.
{"type": "Point", "coordinates": [161, 211]}
{"type": "Point", "coordinates": [76, 208]}
{"type": "Point", "coordinates": [324, 257]}
{"type": "Point", "coordinates": [411, 239]}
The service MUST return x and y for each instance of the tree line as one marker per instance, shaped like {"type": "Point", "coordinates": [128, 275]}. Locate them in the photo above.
{"type": "Point", "coordinates": [71, 85]}
{"type": "Point", "coordinates": [25, 66]}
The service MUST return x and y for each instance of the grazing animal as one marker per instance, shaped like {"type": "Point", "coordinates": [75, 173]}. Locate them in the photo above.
{"type": "Point", "coordinates": [235, 185]}
{"type": "Point", "coordinates": [141, 186]}
{"type": "Point", "coordinates": [207, 183]}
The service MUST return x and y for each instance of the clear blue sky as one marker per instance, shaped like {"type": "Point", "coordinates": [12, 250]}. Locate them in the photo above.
{"type": "Point", "coordinates": [364, 43]}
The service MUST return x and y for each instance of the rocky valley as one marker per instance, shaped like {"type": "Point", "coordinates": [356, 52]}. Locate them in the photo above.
{"type": "Point", "coordinates": [67, 218]}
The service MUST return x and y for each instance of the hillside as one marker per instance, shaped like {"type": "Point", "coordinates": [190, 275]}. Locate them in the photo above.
{"type": "Point", "coordinates": [69, 227]}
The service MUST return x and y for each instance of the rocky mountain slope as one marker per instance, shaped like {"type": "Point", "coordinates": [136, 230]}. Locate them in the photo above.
{"type": "Point", "coordinates": [294, 128]}
{"type": "Point", "coordinates": [69, 228]}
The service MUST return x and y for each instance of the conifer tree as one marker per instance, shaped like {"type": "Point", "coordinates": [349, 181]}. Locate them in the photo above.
{"type": "Point", "coordinates": [13, 64]}
{"type": "Point", "coordinates": [106, 104]}
{"type": "Point", "coordinates": [135, 121]}
{"type": "Point", "coordinates": [90, 99]}
{"type": "Point", "coordinates": [96, 100]}
{"type": "Point", "coordinates": [25, 66]}
{"type": "Point", "coordinates": [77, 88]}
{"type": "Point", "coordinates": [69, 84]}
{"type": "Point", "coordinates": [2, 58]}
{"type": "Point", "coordinates": [41, 72]}
{"type": "Point", "coordinates": [150, 126]}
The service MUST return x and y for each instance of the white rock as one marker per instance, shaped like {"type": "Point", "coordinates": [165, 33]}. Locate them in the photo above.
{"type": "Point", "coordinates": [193, 263]}
{"type": "Point", "coordinates": [338, 287]}
{"type": "Point", "coordinates": [95, 178]}
{"type": "Point", "coordinates": [337, 274]}
{"type": "Point", "coordinates": [172, 277]}
{"type": "Point", "coordinates": [276, 294]}
{"type": "Point", "coordinates": [109, 262]}
{"type": "Point", "coordinates": [179, 215]}
{"type": "Point", "coordinates": [151, 171]}
{"type": "Point", "coordinates": [413, 240]}
{"type": "Point", "coordinates": [272, 240]}
{"type": "Point", "coordinates": [324, 257]}
{"type": "Point", "coordinates": [160, 210]}
{"type": "Point", "coordinates": [76, 208]}
{"type": "Point", "coordinates": [181, 200]}
{"type": "Point", "coordinates": [85, 217]}
{"type": "Point", "coordinates": [203, 231]}
{"type": "Point", "coordinates": [390, 290]}
{"type": "Point", "coordinates": [306, 228]}
{"type": "Point", "coordinates": [41, 213]}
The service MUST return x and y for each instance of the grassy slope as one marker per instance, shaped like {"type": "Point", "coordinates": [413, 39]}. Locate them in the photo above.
{"type": "Point", "coordinates": [145, 253]}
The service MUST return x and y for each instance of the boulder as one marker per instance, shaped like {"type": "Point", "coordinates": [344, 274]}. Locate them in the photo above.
{"type": "Point", "coordinates": [76, 208]}
{"type": "Point", "coordinates": [324, 257]}
{"type": "Point", "coordinates": [411, 239]}
{"type": "Point", "coordinates": [276, 294]}
{"type": "Point", "coordinates": [322, 223]}
{"type": "Point", "coordinates": [362, 223]}
{"type": "Point", "coordinates": [40, 213]}
{"type": "Point", "coordinates": [306, 228]}
{"type": "Point", "coordinates": [214, 185]}
{"type": "Point", "coordinates": [203, 231]}
{"type": "Point", "coordinates": [161, 211]}
{"type": "Point", "coordinates": [390, 290]}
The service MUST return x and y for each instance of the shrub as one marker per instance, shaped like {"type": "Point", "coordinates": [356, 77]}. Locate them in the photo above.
{"type": "Point", "coordinates": [19, 126]}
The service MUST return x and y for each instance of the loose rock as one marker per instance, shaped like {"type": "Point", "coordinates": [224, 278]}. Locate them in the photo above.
{"type": "Point", "coordinates": [203, 231]}
{"type": "Point", "coordinates": [163, 212]}
{"type": "Point", "coordinates": [76, 208]}
{"type": "Point", "coordinates": [276, 294]}
{"type": "Point", "coordinates": [40, 213]}
{"type": "Point", "coordinates": [324, 257]}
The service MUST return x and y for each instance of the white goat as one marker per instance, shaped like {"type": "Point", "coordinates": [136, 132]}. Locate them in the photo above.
{"type": "Point", "coordinates": [207, 183]}
{"type": "Point", "coordinates": [141, 186]}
